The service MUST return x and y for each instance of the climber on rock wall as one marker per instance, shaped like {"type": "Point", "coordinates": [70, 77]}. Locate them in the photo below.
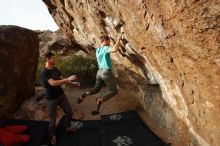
{"type": "Point", "coordinates": [104, 74]}
{"type": "Point", "coordinates": [52, 81]}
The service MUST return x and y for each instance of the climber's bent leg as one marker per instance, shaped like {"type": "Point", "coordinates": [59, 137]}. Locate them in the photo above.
{"type": "Point", "coordinates": [94, 90]}
{"type": "Point", "coordinates": [109, 80]}
{"type": "Point", "coordinates": [98, 85]}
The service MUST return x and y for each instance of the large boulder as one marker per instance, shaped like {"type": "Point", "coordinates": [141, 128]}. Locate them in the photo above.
{"type": "Point", "coordinates": [56, 41]}
{"type": "Point", "coordinates": [169, 58]}
{"type": "Point", "coordinates": [18, 63]}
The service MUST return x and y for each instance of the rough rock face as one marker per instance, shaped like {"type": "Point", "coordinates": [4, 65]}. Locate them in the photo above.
{"type": "Point", "coordinates": [53, 41]}
{"type": "Point", "coordinates": [175, 44]}
{"type": "Point", "coordinates": [18, 62]}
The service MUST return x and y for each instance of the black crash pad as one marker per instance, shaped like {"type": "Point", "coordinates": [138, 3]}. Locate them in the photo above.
{"type": "Point", "coordinates": [86, 135]}
{"type": "Point", "coordinates": [120, 129]}
{"type": "Point", "coordinates": [119, 117]}
{"type": "Point", "coordinates": [125, 129]}
{"type": "Point", "coordinates": [37, 130]}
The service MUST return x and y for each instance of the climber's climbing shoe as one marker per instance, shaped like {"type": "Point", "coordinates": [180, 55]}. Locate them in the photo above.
{"type": "Point", "coordinates": [95, 112]}
{"type": "Point", "coordinates": [99, 103]}
{"type": "Point", "coordinates": [81, 98]}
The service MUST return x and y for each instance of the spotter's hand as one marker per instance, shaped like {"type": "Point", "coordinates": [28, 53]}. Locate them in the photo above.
{"type": "Point", "coordinates": [76, 83]}
{"type": "Point", "coordinates": [71, 79]}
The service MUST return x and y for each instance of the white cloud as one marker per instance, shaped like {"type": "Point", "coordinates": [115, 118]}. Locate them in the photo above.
{"type": "Point", "coordinates": [32, 14]}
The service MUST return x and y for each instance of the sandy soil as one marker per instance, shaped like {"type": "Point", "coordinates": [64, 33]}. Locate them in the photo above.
{"type": "Point", "coordinates": [124, 101]}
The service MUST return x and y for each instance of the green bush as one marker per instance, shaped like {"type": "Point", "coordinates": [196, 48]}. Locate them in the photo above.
{"type": "Point", "coordinates": [85, 68]}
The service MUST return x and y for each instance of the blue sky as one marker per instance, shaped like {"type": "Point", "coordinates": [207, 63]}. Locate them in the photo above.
{"type": "Point", "coordinates": [32, 14]}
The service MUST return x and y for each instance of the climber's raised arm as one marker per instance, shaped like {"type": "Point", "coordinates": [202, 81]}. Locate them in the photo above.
{"type": "Point", "coordinates": [116, 46]}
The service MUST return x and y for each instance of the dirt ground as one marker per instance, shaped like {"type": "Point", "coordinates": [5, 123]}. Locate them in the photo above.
{"type": "Point", "coordinates": [124, 101]}
{"type": "Point", "coordinates": [119, 103]}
